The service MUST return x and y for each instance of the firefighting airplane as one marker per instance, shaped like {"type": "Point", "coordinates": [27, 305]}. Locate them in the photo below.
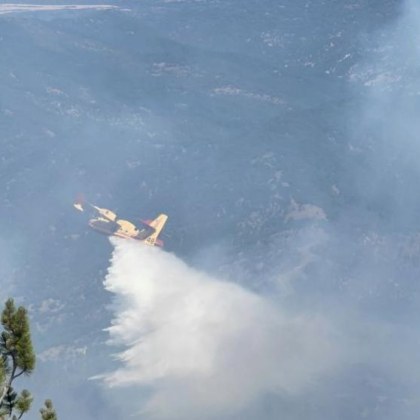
{"type": "Point", "coordinates": [107, 222]}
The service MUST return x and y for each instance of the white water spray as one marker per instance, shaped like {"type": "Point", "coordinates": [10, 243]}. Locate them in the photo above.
{"type": "Point", "coordinates": [201, 344]}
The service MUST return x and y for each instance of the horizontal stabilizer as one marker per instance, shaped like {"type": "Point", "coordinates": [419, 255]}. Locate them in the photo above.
{"type": "Point", "coordinates": [78, 206]}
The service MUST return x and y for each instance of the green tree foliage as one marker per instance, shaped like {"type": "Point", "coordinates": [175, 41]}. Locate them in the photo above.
{"type": "Point", "coordinates": [16, 339]}
{"type": "Point", "coordinates": [48, 412]}
{"type": "Point", "coordinates": [17, 358]}
{"type": "Point", "coordinates": [23, 403]}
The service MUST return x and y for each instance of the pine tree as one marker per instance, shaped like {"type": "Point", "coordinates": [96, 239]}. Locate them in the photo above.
{"type": "Point", "coordinates": [17, 358]}
{"type": "Point", "coordinates": [23, 403]}
{"type": "Point", "coordinates": [15, 346]}
{"type": "Point", "coordinates": [48, 413]}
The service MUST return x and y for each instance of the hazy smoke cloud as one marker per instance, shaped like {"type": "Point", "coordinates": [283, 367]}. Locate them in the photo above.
{"type": "Point", "coordinates": [387, 125]}
{"type": "Point", "coordinates": [204, 345]}
{"type": "Point", "coordinates": [14, 8]}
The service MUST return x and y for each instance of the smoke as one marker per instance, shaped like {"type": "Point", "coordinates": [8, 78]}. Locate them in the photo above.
{"type": "Point", "coordinates": [385, 128]}
{"type": "Point", "coordinates": [14, 8]}
{"type": "Point", "coordinates": [204, 345]}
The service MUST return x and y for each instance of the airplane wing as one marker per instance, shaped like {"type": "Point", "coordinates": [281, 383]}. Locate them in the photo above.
{"type": "Point", "coordinates": [106, 214]}
{"type": "Point", "coordinates": [109, 215]}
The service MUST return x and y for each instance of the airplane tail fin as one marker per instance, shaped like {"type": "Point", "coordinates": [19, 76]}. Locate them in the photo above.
{"type": "Point", "coordinates": [157, 224]}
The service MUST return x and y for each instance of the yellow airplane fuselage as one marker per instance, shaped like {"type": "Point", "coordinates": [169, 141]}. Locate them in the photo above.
{"type": "Point", "coordinates": [121, 228]}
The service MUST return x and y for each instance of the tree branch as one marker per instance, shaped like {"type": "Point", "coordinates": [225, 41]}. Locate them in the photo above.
{"type": "Point", "coordinates": [8, 383]}
{"type": "Point", "coordinates": [18, 374]}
